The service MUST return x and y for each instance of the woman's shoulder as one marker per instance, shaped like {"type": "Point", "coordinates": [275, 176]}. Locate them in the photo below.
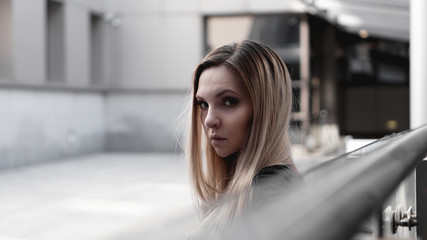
{"type": "Point", "coordinates": [277, 172]}
{"type": "Point", "coordinates": [272, 181]}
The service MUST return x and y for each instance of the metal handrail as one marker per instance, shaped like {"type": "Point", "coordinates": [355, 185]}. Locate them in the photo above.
{"type": "Point", "coordinates": [335, 199]}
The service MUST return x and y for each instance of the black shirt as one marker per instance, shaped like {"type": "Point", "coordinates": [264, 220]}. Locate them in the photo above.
{"type": "Point", "coordinates": [272, 181]}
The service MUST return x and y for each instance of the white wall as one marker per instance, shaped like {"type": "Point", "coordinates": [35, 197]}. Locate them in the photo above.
{"type": "Point", "coordinates": [158, 45]}
{"type": "Point", "coordinates": [147, 122]}
{"type": "Point", "coordinates": [250, 6]}
{"type": "Point", "coordinates": [145, 63]}
{"type": "Point", "coordinates": [29, 48]}
{"type": "Point", "coordinates": [418, 83]}
{"type": "Point", "coordinates": [161, 41]}
{"type": "Point", "coordinates": [39, 126]}
{"type": "Point", "coordinates": [77, 45]}
{"type": "Point", "coordinates": [44, 119]}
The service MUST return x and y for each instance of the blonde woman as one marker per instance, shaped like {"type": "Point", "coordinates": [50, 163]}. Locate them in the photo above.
{"type": "Point", "coordinates": [238, 134]}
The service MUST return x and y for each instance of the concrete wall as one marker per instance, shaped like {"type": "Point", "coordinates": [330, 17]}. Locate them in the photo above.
{"type": "Point", "coordinates": [147, 122]}
{"type": "Point", "coordinates": [39, 126]}
{"type": "Point", "coordinates": [158, 45]}
{"type": "Point", "coordinates": [115, 78]}
{"type": "Point", "coordinates": [29, 48]}
{"type": "Point", "coordinates": [159, 42]}
{"type": "Point", "coordinates": [77, 45]}
{"type": "Point", "coordinates": [48, 110]}
{"type": "Point", "coordinates": [157, 48]}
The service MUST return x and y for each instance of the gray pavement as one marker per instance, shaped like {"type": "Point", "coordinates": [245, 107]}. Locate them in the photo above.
{"type": "Point", "coordinates": [105, 196]}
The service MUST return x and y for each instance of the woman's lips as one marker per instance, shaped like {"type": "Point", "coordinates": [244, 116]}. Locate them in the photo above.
{"type": "Point", "coordinates": [216, 139]}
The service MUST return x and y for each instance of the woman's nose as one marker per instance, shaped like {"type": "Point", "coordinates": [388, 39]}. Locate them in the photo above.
{"type": "Point", "coordinates": [212, 119]}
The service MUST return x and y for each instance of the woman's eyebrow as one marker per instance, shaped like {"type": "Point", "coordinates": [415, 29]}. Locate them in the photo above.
{"type": "Point", "coordinates": [224, 91]}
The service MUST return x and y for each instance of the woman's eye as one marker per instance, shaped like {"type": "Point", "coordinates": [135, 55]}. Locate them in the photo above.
{"type": "Point", "coordinates": [202, 104]}
{"type": "Point", "coordinates": [230, 101]}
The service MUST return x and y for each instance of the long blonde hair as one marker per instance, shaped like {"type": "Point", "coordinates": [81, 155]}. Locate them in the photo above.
{"type": "Point", "coordinates": [269, 85]}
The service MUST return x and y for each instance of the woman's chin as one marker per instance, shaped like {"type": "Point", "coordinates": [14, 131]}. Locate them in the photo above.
{"type": "Point", "coordinates": [227, 154]}
{"type": "Point", "coordinates": [222, 153]}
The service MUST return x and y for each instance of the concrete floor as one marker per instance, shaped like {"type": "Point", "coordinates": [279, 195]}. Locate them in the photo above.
{"type": "Point", "coordinates": [105, 196]}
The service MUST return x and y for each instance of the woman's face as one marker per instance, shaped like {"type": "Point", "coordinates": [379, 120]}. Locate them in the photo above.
{"type": "Point", "coordinates": [225, 109]}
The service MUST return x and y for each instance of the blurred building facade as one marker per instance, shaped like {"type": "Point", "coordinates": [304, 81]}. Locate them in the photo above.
{"type": "Point", "coordinates": [80, 77]}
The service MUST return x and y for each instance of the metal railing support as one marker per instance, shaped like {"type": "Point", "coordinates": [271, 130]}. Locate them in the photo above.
{"type": "Point", "coordinates": [335, 203]}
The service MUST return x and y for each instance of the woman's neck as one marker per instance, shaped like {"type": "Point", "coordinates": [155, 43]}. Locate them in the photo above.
{"type": "Point", "coordinates": [230, 162]}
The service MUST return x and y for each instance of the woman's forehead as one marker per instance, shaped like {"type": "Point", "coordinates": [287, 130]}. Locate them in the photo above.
{"type": "Point", "coordinates": [216, 80]}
